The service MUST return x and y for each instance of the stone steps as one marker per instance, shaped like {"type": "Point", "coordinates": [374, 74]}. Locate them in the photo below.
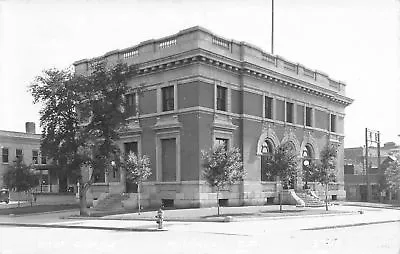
{"type": "Point", "coordinates": [309, 200]}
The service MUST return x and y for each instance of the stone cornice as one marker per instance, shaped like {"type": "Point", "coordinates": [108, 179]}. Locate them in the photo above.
{"type": "Point", "coordinates": [247, 69]}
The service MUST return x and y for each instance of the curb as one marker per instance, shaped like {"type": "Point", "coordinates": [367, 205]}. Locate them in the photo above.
{"type": "Point", "coordinates": [352, 225]}
{"type": "Point", "coordinates": [219, 220]}
{"type": "Point", "coordinates": [28, 225]}
{"type": "Point", "coordinates": [40, 213]}
{"type": "Point", "coordinates": [377, 207]}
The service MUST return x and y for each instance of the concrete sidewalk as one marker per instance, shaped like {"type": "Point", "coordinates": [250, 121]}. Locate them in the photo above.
{"type": "Point", "coordinates": [237, 213]}
{"type": "Point", "coordinates": [345, 216]}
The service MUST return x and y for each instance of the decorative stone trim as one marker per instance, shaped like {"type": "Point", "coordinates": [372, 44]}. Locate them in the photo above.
{"type": "Point", "coordinates": [289, 136]}
{"type": "Point", "coordinates": [223, 122]}
{"type": "Point", "coordinates": [167, 122]}
{"type": "Point", "coordinates": [309, 139]}
{"type": "Point", "coordinates": [167, 135]}
{"type": "Point", "coordinates": [267, 133]}
{"type": "Point", "coordinates": [262, 73]}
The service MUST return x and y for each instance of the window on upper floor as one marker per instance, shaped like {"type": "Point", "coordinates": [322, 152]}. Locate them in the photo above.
{"type": "Point", "coordinates": [18, 154]}
{"type": "Point", "coordinates": [221, 98]}
{"type": "Point", "coordinates": [268, 107]}
{"type": "Point", "coordinates": [333, 123]}
{"type": "Point", "coordinates": [289, 112]}
{"type": "Point", "coordinates": [43, 159]}
{"type": "Point", "coordinates": [168, 98]}
{"type": "Point", "coordinates": [222, 141]}
{"type": "Point", "coordinates": [35, 157]}
{"type": "Point", "coordinates": [131, 147]}
{"type": "Point", "coordinates": [4, 155]}
{"type": "Point", "coordinates": [131, 104]}
{"type": "Point", "coordinates": [308, 116]}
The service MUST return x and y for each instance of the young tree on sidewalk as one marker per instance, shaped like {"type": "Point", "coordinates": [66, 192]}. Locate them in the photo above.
{"type": "Point", "coordinates": [137, 170]}
{"type": "Point", "coordinates": [20, 177]}
{"type": "Point", "coordinates": [282, 163]}
{"type": "Point", "coordinates": [325, 171]}
{"type": "Point", "coordinates": [392, 174]}
{"type": "Point", "coordinates": [222, 168]}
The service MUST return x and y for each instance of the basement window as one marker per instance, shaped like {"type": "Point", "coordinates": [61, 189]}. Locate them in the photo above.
{"type": "Point", "coordinates": [167, 202]}
{"type": "Point", "coordinates": [223, 202]}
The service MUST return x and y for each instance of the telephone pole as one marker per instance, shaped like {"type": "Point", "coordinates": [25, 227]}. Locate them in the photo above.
{"type": "Point", "coordinates": [371, 136]}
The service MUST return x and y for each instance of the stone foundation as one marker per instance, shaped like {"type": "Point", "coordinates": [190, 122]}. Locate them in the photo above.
{"type": "Point", "coordinates": [199, 194]}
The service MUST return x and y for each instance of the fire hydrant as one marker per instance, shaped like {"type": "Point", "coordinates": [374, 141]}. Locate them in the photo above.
{"type": "Point", "coordinates": [160, 218]}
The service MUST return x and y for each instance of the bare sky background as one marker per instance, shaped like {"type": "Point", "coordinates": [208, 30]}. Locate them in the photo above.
{"type": "Point", "coordinates": [355, 41]}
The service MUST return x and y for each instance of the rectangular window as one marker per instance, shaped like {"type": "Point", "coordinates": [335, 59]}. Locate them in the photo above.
{"type": "Point", "coordinates": [333, 123]}
{"type": "Point", "coordinates": [168, 98]}
{"type": "Point", "coordinates": [168, 160]}
{"type": "Point", "coordinates": [268, 107]}
{"type": "Point", "coordinates": [289, 112]}
{"type": "Point", "coordinates": [280, 110]}
{"type": "Point", "coordinates": [221, 98]}
{"type": "Point", "coordinates": [131, 104]}
{"type": "Point", "coordinates": [222, 141]}
{"type": "Point", "coordinates": [43, 159]}
{"type": "Point", "coordinates": [308, 116]}
{"type": "Point", "coordinates": [35, 157]}
{"type": "Point", "coordinates": [131, 147]}
{"type": "Point", "coordinates": [18, 154]}
{"type": "Point", "coordinates": [4, 153]}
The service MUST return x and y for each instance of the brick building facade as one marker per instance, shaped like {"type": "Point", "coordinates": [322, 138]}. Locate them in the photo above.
{"type": "Point", "coordinates": [26, 145]}
{"type": "Point", "coordinates": [201, 89]}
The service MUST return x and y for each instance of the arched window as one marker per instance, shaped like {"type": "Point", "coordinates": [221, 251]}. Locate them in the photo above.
{"type": "Point", "coordinates": [308, 152]}
{"type": "Point", "coordinates": [307, 155]}
{"type": "Point", "coordinates": [267, 149]}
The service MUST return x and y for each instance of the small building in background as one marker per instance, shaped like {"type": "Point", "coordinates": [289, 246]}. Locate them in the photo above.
{"type": "Point", "coordinates": [355, 174]}
{"type": "Point", "coordinates": [26, 145]}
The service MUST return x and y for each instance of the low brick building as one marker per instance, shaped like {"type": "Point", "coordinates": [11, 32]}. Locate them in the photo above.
{"type": "Point", "coordinates": [26, 145]}
{"type": "Point", "coordinates": [201, 89]}
{"type": "Point", "coordinates": [355, 176]}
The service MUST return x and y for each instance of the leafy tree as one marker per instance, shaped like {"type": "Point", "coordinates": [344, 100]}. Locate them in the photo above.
{"type": "Point", "coordinates": [309, 173]}
{"type": "Point", "coordinates": [325, 171]}
{"type": "Point", "coordinates": [283, 163]}
{"type": "Point", "coordinates": [392, 174]}
{"type": "Point", "coordinates": [20, 177]}
{"type": "Point", "coordinates": [222, 167]}
{"type": "Point", "coordinates": [80, 119]}
{"type": "Point", "coordinates": [137, 170]}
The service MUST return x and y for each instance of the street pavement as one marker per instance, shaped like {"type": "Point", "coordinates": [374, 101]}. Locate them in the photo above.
{"type": "Point", "coordinates": [374, 230]}
{"type": "Point", "coordinates": [339, 216]}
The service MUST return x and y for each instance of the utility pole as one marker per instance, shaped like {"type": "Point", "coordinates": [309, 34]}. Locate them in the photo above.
{"type": "Point", "coordinates": [366, 162]}
{"type": "Point", "coordinates": [378, 140]}
{"type": "Point", "coordinates": [374, 137]}
{"type": "Point", "coordinates": [272, 29]}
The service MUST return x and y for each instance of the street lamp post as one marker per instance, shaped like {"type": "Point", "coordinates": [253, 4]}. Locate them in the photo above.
{"type": "Point", "coordinates": [108, 175]}
{"type": "Point", "coordinates": [306, 164]}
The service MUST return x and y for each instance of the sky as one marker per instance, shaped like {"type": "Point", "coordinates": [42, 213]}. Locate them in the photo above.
{"type": "Point", "coordinates": [355, 41]}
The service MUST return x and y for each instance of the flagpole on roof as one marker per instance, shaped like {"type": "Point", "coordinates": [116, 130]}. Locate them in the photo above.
{"type": "Point", "coordinates": [272, 29]}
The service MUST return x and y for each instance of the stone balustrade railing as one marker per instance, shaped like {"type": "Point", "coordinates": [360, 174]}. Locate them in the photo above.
{"type": "Point", "coordinates": [197, 37]}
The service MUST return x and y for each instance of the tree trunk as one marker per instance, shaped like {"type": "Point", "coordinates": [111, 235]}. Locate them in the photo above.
{"type": "Point", "coordinates": [83, 188]}
{"type": "Point", "coordinates": [138, 190]}
{"type": "Point", "coordinates": [326, 197]}
{"type": "Point", "coordinates": [218, 200]}
{"type": "Point", "coordinates": [280, 201]}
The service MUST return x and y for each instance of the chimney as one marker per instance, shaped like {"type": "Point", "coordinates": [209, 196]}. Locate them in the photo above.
{"type": "Point", "coordinates": [30, 127]}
